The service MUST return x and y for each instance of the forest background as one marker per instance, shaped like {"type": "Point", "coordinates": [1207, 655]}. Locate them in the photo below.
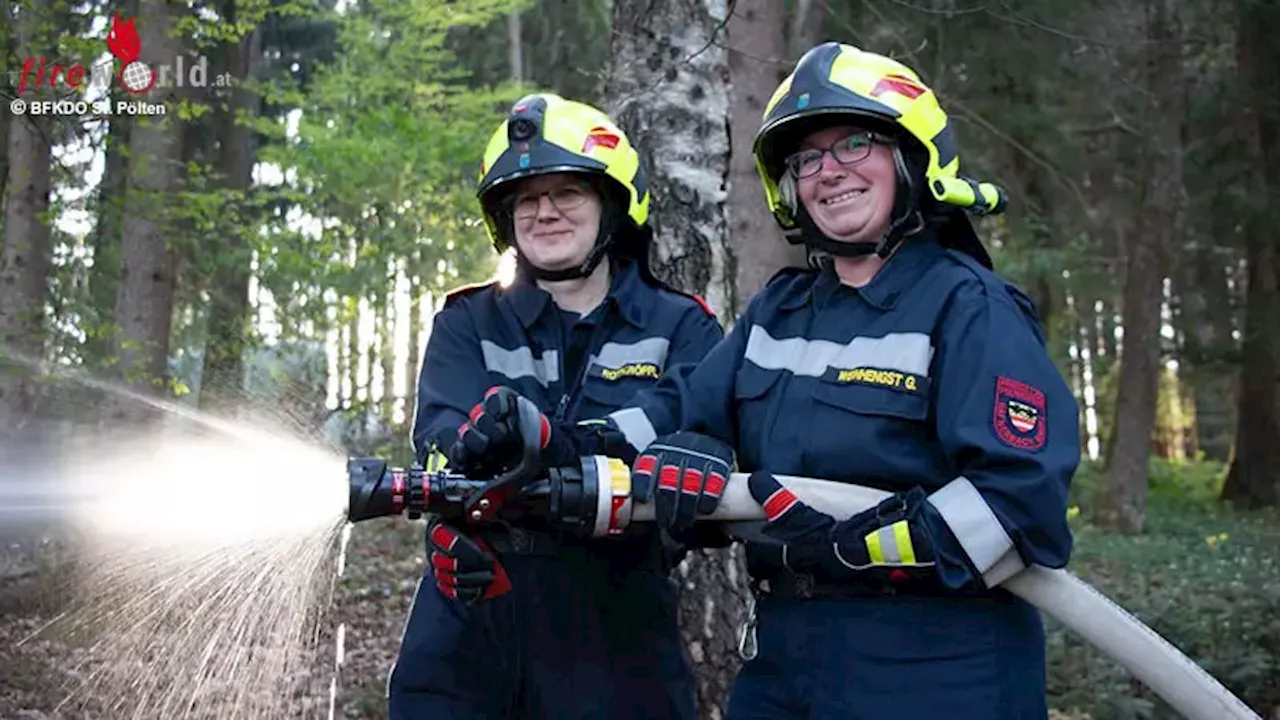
{"type": "Point", "coordinates": [281, 243]}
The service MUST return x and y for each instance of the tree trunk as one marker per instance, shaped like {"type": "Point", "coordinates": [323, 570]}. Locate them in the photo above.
{"type": "Point", "coordinates": [755, 69]}
{"type": "Point", "coordinates": [104, 278]}
{"type": "Point", "coordinates": [1158, 225]}
{"type": "Point", "coordinates": [804, 29]}
{"type": "Point", "coordinates": [24, 270]}
{"type": "Point", "coordinates": [144, 304]}
{"type": "Point", "coordinates": [387, 322]}
{"type": "Point", "coordinates": [344, 373]}
{"type": "Point", "coordinates": [1108, 345]}
{"type": "Point", "coordinates": [1206, 363]}
{"type": "Point", "coordinates": [1041, 283]}
{"type": "Point", "coordinates": [26, 254]}
{"type": "Point", "coordinates": [5, 119]}
{"type": "Point", "coordinates": [1254, 479]}
{"type": "Point", "coordinates": [669, 93]}
{"type": "Point", "coordinates": [354, 363]}
{"type": "Point", "coordinates": [229, 327]}
{"type": "Point", "coordinates": [515, 50]}
{"type": "Point", "coordinates": [418, 305]}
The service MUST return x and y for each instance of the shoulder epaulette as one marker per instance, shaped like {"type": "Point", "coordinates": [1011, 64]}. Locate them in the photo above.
{"type": "Point", "coordinates": [457, 294]}
{"type": "Point", "coordinates": [702, 303]}
{"type": "Point", "coordinates": [790, 271]}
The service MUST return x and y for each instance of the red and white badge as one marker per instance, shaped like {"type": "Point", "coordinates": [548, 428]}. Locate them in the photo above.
{"type": "Point", "coordinates": [1018, 416]}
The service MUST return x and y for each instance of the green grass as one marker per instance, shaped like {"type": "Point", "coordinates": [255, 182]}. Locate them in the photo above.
{"type": "Point", "coordinates": [1203, 575]}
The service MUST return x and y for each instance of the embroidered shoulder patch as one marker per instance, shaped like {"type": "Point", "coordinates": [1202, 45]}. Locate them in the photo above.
{"type": "Point", "coordinates": [1018, 415]}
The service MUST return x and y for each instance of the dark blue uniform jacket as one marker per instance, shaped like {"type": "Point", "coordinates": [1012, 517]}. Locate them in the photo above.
{"type": "Point", "coordinates": [935, 374]}
{"type": "Point", "coordinates": [587, 633]}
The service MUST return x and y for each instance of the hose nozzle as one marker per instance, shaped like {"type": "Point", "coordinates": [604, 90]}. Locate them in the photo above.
{"type": "Point", "coordinates": [377, 490]}
{"type": "Point", "coordinates": [592, 498]}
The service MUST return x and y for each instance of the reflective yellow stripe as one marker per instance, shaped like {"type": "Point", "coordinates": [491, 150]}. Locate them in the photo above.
{"type": "Point", "coordinates": [902, 533]}
{"type": "Point", "coordinates": [891, 545]}
{"type": "Point", "coordinates": [435, 461]}
{"type": "Point", "coordinates": [874, 551]}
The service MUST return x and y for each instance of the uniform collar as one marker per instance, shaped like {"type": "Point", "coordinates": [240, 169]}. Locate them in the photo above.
{"type": "Point", "coordinates": [903, 269]}
{"type": "Point", "coordinates": [625, 293]}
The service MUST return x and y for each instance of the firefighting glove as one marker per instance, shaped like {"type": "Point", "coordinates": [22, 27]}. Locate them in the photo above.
{"type": "Point", "coordinates": [885, 542]}
{"type": "Point", "coordinates": [503, 430]}
{"type": "Point", "coordinates": [687, 472]}
{"type": "Point", "coordinates": [464, 568]}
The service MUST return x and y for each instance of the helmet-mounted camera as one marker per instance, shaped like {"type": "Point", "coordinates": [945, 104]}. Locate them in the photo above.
{"type": "Point", "coordinates": [521, 129]}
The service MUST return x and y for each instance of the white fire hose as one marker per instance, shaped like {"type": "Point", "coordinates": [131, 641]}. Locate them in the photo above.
{"type": "Point", "coordinates": [1079, 606]}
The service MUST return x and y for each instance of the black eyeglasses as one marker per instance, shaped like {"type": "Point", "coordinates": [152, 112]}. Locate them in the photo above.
{"type": "Point", "coordinates": [849, 150]}
{"type": "Point", "coordinates": [564, 199]}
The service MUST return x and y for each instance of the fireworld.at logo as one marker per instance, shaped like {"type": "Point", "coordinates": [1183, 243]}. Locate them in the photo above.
{"type": "Point", "coordinates": [134, 77]}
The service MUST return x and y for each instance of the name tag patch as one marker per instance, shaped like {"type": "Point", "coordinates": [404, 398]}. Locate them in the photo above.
{"type": "Point", "coordinates": [630, 370]}
{"type": "Point", "coordinates": [892, 379]}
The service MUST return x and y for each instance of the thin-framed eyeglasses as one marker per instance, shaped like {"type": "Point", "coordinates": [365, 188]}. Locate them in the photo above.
{"type": "Point", "coordinates": [849, 150]}
{"type": "Point", "coordinates": [564, 199]}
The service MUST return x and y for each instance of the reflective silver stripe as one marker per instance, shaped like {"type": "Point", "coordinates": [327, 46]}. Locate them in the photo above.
{"type": "Point", "coordinates": [975, 526]}
{"type": "Point", "coordinates": [520, 363]}
{"type": "Point", "coordinates": [635, 427]}
{"type": "Point", "coordinates": [650, 350]}
{"type": "Point", "coordinates": [889, 545]}
{"type": "Point", "coordinates": [903, 352]}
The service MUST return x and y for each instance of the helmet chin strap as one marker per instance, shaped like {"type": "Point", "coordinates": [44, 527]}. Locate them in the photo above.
{"type": "Point", "coordinates": [588, 266]}
{"type": "Point", "coordinates": [604, 239]}
{"type": "Point", "coordinates": [904, 211]}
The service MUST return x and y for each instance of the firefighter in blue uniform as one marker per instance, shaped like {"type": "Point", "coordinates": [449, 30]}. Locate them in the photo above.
{"type": "Point", "coordinates": [899, 361]}
{"type": "Point", "coordinates": [528, 622]}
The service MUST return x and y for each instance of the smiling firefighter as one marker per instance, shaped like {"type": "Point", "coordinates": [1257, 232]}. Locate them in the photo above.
{"type": "Point", "coordinates": [532, 621]}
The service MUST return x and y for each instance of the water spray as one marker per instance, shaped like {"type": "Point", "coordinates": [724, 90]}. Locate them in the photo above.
{"type": "Point", "coordinates": [594, 498]}
{"type": "Point", "coordinates": [190, 592]}
{"type": "Point", "coordinates": [182, 593]}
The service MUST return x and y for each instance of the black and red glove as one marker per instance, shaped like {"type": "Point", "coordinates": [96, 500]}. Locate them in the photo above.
{"type": "Point", "coordinates": [504, 430]}
{"type": "Point", "coordinates": [464, 568]}
{"type": "Point", "coordinates": [687, 472]}
{"type": "Point", "coordinates": [507, 430]}
{"type": "Point", "coordinates": [887, 542]}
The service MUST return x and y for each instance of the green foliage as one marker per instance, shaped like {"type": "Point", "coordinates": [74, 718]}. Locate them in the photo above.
{"type": "Point", "coordinates": [383, 163]}
{"type": "Point", "coordinates": [564, 46]}
{"type": "Point", "coordinates": [1203, 576]}
{"type": "Point", "coordinates": [1172, 482]}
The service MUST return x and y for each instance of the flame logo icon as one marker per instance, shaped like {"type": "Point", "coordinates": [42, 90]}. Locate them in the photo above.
{"type": "Point", "coordinates": [123, 42]}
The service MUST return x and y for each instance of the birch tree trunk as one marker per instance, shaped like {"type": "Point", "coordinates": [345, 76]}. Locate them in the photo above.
{"type": "Point", "coordinates": [669, 92]}
{"type": "Point", "coordinates": [668, 83]}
